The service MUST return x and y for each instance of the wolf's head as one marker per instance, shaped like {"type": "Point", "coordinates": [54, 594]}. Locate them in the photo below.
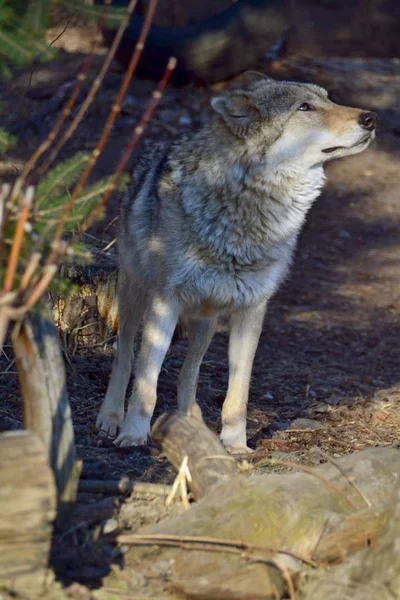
{"type": "Point", "coordinates": [286, 122]}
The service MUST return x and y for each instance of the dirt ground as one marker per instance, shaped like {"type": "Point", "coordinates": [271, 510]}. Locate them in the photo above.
{"type": "Point", "coordinates": [327, 370]}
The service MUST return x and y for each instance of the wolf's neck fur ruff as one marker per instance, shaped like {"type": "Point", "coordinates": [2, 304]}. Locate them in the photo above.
{"type": "Point", "coordinates": [242, 205]}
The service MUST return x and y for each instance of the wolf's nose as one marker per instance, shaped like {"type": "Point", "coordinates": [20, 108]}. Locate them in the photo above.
{"type": "Point", "coordinates": [368, 120]}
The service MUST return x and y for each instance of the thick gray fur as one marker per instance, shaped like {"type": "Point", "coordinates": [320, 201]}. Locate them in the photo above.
{"type": "Point", "coordinates": [208, 227]}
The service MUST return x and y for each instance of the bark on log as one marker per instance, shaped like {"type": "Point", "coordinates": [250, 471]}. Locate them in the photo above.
{"type": "Point", "coordinates": [294, 512]}
{"type": "Point", "coordinates": [209, 463]}
{"type": "Point", "coordinates": [46, 409]}
{"type": "Point", "coordinates": [27, 511]}
{"type": "Point", "coordinates": [373, 572]}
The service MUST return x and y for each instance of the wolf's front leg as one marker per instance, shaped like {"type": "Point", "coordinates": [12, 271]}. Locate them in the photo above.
{"type": "Point", "coordinates": [159, 326]}
{"type": "Point", "coordinates": [245, 329]}
{"type": "Point", "coordinates": [131, 306]}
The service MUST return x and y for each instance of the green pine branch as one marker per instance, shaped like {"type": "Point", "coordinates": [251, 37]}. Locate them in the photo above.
{"type": "Point", "coordinates": [58, 180]}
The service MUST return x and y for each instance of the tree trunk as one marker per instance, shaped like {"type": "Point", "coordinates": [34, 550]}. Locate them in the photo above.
{"type": "Point", "coordinates": [27, 511]}
{"type": "Point", "coordinates": [46, 409]}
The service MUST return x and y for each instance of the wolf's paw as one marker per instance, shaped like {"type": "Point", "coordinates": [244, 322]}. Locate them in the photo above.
{"type": "Point", "coordinates": [233, 437]}
{"type": "Point", "coordinates": [109, 421]}
{"type": "Point", "coordinates": [238, 449]}
{"type": "Point", "coordinates": [134, 431]}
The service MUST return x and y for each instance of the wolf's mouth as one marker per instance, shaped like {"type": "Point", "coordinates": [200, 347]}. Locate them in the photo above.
{"type": "Point", "coordinates": [359, 143]}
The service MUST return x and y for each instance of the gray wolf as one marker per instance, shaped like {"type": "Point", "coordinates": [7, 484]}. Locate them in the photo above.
{"type": "Point", "coordinates": [208, 228]}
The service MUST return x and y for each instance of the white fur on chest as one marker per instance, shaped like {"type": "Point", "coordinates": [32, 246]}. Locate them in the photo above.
{"type": "Point", "coordinates": [251, 243]}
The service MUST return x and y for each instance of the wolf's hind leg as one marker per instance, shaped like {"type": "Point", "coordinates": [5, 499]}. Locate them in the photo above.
{"type": "Point", "coordinates": [158, 329]}
{"type": "Point", "coordinates": [245, 329]}
{"type": "Point", "coordinates": [131, 305]}
{"type": "Point", "coordinates": [200, 332]}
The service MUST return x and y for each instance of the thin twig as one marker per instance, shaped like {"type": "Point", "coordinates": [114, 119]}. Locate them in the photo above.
{"type": "Point", "coordinates": [110, 224]}
{"type": "Point", "coordinates": [180, 483]}
{"type": "Point", "coordinates": [60, 34]}
{"type": "Point", "coordinates": [123, 486]}
{"type": "Point", "coordinates": [26, 204]}
{"type": "Point", "coordinates": [289, 580]}
{"type": "Point", "coordinates": [347, 478]}
{"type": "Point", "coordinates": [112, 115]}
{"type": "Point", "coordinates": [156, 95]}
{"type": "Point", "coordinates": [63, 115]}
{"type": "Point", "coordinates": [109, 245]}
{"type": "Point", "coordinates": [48, 273]}
{"type": "Point", "coordinates": [288, 463]}
{"type": "Point", "coordinates": [29, 270]}
{"type": "Point", "coordinates": [209, 542]}
{"type": "Point", "coordinates": [4, 191]}
{"type": "Point", "coordinates": [95, 85]}
{"type": "Point", "coordinates": [5, 318]}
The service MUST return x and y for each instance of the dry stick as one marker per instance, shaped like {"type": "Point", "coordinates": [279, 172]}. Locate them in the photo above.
{"type": "Point", "coordinates": [182, 540]}
{"type": "Point", "coordinates": [156, 95]}
{"type": "Point", "coordinates": [26, 204]}
{"type": "Point", "coordinates": [61, 248]}
{"type": "Point", "coordinates": [289, 580]}
{"type": "Point", "coordinates": [64, 113]}
{"type": "Point", "coordinates": [347, 478]}
{"type": "Point", "coordinates": [95, 85]}
{"type": "Point", "coordinates": [29, 270]}
{"type": "Point", "coordinates": [288, 463]}
{"type": "Point", "coordinates": [112, 115]}
{"type": "Point", "coordinates": [4, 191]}
{"type": "Point", "coordinates": [123, 486]}
{"type": "Point", "coordinates": [4, 213]}
{"type": "Point", "coordinates": [110, 224]}
{"type": "Point", "coordinates": [5, 317]}
{"type": "Point", "coordinates": [48, 273]}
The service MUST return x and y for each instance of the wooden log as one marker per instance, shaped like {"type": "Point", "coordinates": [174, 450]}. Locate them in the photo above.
{"type": "Point", "coordinates": [345, 535]}
{"type": "Point", "coordinates": [373, 572]}
{"type": "Point", "coordinates": [46, 409]}
{"type": "Point", "coordinates": [27, 512]}
{"type": "Point", "coordinates": [180, 435]}
{"type": "Point", "coordinates": [270, 515]}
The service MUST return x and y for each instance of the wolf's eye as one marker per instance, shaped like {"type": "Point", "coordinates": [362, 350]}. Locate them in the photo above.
{"type": "Point", "coordinates": [306, 106]}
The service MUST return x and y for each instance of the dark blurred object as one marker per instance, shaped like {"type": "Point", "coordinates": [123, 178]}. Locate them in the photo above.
{"type": "Point", "coordinates": [346, 28]}
{"type": "Point", "coordinates": [214, 49]}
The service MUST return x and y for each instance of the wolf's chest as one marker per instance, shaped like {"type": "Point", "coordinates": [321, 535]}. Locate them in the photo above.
{"type": "Point", "coordinates": [212, 288]}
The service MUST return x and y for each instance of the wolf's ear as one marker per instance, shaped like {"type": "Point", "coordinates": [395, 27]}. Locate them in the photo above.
{"type": "Point", "coordinates": [238, 112]}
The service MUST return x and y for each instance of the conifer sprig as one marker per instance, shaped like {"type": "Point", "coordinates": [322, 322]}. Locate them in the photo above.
{"type": "Point", "coordinates": [32, 242]}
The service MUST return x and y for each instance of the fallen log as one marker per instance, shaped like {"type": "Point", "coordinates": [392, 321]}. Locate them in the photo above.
{"type": "Point", "coordinates": [27, 512]}
{"type": "Point", "coordinates": [373, 572]}
{"type": "Point", "coordinates": [209, 463]}
{"type": "Point", "coordinates": [255, 533]}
